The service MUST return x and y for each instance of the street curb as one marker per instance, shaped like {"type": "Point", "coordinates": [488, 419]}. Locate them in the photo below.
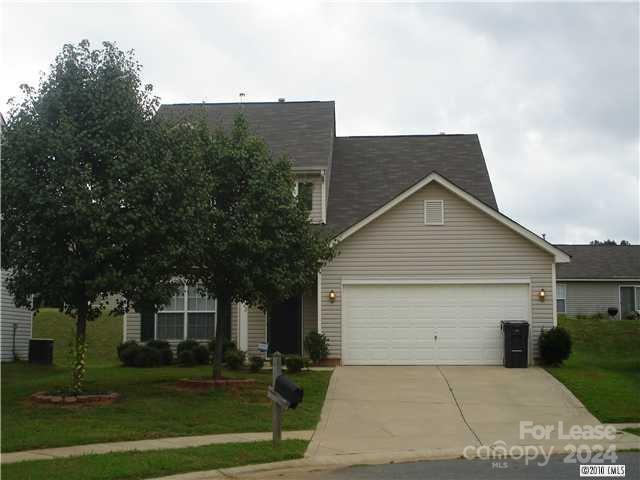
{"type": "Point", "coordinates": [331, 462]}
{"type": "Point", "coordinates": [322, 463]}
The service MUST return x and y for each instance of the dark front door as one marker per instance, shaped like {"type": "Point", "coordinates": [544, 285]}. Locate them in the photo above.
{"type": "Point", "coordinates": [285, 327]}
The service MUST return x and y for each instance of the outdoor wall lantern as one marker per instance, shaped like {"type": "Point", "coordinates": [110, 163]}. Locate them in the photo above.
{"type": "Point", "coordinates": [332, 296]}
{"type": "Point", "coordinates": [541, 294]}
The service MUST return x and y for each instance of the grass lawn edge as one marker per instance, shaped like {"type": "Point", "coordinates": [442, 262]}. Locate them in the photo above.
{"type": "Point", "coordinates": [603, 371]}
{"type": "Point", "coordinates": [155, 463]}
{"type": "Point", "coordinates": [151, 407]}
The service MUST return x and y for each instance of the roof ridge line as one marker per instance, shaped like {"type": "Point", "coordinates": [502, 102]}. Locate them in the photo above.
{"type": "Point", "coordinates": [418, 135]}
{"type": "Point", "coordinates": [246, 103]}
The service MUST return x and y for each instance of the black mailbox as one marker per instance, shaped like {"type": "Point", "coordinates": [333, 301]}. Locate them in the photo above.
{"type": "Point", "coordinates": [288, 390]}
{"type": "Point", "coordinates": [516, 344]}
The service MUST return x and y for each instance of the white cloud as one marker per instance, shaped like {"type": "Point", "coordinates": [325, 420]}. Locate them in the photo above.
{"type": "Point", "coordinates": [552, 90]}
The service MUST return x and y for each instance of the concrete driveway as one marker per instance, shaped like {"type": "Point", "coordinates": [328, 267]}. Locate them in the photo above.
{"type": "Point", "coordinates": [374, 411]}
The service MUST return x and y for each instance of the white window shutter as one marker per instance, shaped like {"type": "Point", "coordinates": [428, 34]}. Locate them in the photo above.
{"type": "Point", "coordinates": [434, 212]}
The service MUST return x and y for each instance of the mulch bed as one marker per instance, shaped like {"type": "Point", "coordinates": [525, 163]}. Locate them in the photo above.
{"type": "Point", "coordinates": [95, 399]}
{"type": "Point", "coordinates": [209, 383]}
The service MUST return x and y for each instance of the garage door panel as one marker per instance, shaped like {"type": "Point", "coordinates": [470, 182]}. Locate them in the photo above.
{"type": "Point", "coordinates": [398, 324]}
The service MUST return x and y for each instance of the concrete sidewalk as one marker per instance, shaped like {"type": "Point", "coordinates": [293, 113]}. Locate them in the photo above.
{"type": "Point", "coordinates": [143, 445]}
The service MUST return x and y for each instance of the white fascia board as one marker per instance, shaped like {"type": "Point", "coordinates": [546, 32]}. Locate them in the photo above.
{"type": "Point", "coordinates": [562, 280]}
{"type": "Point", "coordinates": [433, 281]}
{"type": "Point", "coordinates": [310, 170]}
{"type": "Point", "coordinates": [554, 295]}
{"type": "Point", "coordinates": [559, 255]}
{"type": "Point", "coordinates": [324, 198]}
{"type": "Point", "coordinates": [319, 301]}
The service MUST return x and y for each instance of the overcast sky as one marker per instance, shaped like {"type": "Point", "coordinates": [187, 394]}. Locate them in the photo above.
{"type": "Point", "coordinates": [552, 90]}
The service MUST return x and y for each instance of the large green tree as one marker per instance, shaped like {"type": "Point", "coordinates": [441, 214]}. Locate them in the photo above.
{"type": "Point", "coordinates": [258, 246]}
{"type": "Point", "coordinates": [98, 197]}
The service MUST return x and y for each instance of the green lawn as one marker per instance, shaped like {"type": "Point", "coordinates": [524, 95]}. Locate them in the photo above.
{"type": "Point", "coordinates": [151, 406]}
{"type": "Point", "coordinates": [103, 335]}
{"type": "Point", "coordinates": [136, 465]}
{"type": "Point", "coordinates": [604, 368]}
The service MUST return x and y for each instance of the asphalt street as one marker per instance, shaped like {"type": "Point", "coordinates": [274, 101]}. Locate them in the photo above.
{"type": "Point", "coordinates": [556, 469]}
{"type": "Point", "coordinates": [477, 470]}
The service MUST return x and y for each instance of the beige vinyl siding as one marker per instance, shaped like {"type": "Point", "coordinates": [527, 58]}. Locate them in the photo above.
{"type": "Point", "coordinates": [309, 313]}
{"type": "Point", "coordinates": [10, 314]}
{"type": "Point", "coordinates": [315, 215]}
{"type": "Point", "coordinates": [256, 329]}
{"type": "Point", "coordinates": [133, 325]}
{"type": "Point", "coordinates": [589, 298]}
{"type": "Point", "coordinates": [470, 244]}
{"type": "Point", "coordinates": [235, 318]}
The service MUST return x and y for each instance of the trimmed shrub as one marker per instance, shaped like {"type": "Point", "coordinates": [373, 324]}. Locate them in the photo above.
{"type": "Point", "coordinates": [128, 354]}
{"type": "Point", "coordinates": [147, 357]}
{"type": "Point", "coordinates": [317, 346]}
{"type": "Point", "coordinates": [256, 363]}
{"type": "Point", "coordinates": [166, 357]}
{"type": "Point", "coordinates": [226, 346]}
{"type": "Point", "coordinates": [186, 358]}
{"type": "Point", "coordinates": [163, 347]}
{"type": "Point", "coordinates": [158, 344]}
{"type": "Point", "coordinates": [555, 346]}
{"type": "Point", "coordinates": [187, 345]}
{"type": "Point", "coordinates": [234, 359]}
{"type": "Point", "coordinates": [124, 346]}
{"type": "Point", "coordinates": [634, 315]}
{"type": "Point", "coordinates": [201, 354]}
{"type": "Point", "coordinates": [294, 363]}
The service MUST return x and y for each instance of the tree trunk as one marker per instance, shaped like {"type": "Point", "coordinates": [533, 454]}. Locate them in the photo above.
{"type": "Point", "coordinates": [224, 314]}
{"type": "Point", "coordinates": [80, 351]}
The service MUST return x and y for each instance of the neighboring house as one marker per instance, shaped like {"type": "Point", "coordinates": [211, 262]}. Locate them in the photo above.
{"type": "Point", "coordinates": [427, 268]}
{"type": "Point", "coordinates": [15, 327]}
{"type": "Point", "coordinates": [15, 323]}
{"type": "Point", "coordinates": [598, 278]}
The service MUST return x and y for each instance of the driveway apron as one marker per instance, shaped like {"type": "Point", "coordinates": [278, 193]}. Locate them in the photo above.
{"type": "Point", "coordinates": [381, 410]}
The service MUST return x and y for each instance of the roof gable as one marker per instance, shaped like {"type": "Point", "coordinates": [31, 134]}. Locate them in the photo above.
{"type": "Point", "coordinates": [304, 131]}
{"type": "Point", "coordinates": [601, 262]}
{"type": "Point", "coordinates": [559, 255]}
{"type": "Point", "coordinates": [368, 172]}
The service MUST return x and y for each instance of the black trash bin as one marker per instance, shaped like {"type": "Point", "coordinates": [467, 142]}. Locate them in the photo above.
{"type": "Point", "coordinates": [41, 351]}
{"type": "Point", "coordinates": [516, 344]}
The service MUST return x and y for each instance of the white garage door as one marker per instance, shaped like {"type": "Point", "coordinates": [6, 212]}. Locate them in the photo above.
{"type": "Point", "coordinates": [429, 324]}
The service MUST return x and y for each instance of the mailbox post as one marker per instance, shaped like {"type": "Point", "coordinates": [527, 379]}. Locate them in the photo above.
{"type": "Point", "coordinates": [283, 394]}
{"type": "Point", "coordinates": [276, 408]}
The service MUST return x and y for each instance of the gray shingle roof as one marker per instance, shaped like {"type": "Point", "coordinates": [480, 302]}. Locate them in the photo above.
{"type": "Point", "coordinates": [598, 261]}
{"type": "Point", "coordinates": [368, 172]}
{"type": "Point", "coordinates": [304, 131]}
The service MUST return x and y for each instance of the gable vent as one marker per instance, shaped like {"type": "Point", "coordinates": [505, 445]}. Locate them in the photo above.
{"type": "Point", "coordinates": [434, 212]}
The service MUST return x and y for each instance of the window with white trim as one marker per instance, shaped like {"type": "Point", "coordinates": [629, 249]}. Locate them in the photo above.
{"type": "Point", "coordinates": [434, 212]}
{"type": "Point", "coordinates": [190, 313]}
{"type": "Point", "coordinates": [304, 193]}
{"type": "Point", "coordinates": [561, 298]}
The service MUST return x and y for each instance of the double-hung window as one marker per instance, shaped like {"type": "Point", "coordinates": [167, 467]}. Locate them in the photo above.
{"type": "Point", "coordinates": [189, 314]}
{"type": "Point", "coordinates": [304, 192]}
{"type": "Point", "coordinates": [561, 298]}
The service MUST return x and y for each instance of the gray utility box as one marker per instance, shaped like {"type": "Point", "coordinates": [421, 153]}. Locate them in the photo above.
{"type": "Point", "coordinates": [516, 344]}
{"type": "Point", "coordinates": [41, 351]}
